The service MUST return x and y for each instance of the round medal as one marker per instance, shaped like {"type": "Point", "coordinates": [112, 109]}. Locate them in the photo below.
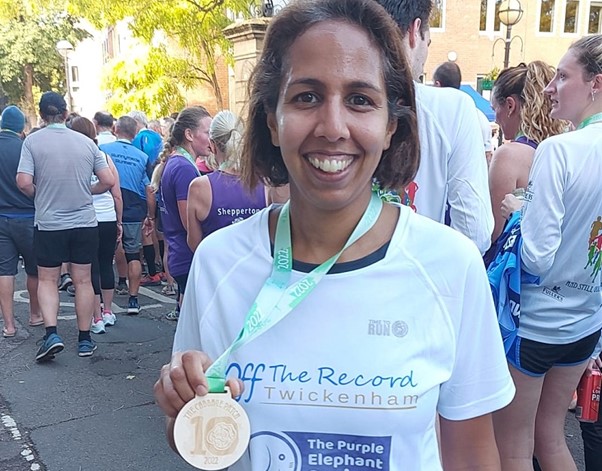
{"type": "Point", "coordinates": [212, 432]}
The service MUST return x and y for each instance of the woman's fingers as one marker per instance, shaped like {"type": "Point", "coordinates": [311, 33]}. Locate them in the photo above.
{"type": "Point", "coordinates": [180, 380]}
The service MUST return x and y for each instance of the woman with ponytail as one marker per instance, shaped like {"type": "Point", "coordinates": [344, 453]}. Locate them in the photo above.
{"type": "Point", "coordinates": [523, 112]}
{"type": "Point", "coordinates": [220, 198]}
{"type": "Point", "coordinates": [189, 139]}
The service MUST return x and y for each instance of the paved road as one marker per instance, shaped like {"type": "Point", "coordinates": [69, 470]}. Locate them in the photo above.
{"type": "Point", "coordinates": [97, 414]}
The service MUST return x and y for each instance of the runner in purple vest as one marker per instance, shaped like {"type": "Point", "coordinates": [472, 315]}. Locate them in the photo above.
{"type": "Point", "coordinates": [189, 139]}
{"type": "Point", "coordinates": [220, 199]}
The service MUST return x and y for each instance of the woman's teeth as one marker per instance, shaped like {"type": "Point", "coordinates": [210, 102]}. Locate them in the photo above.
{"type": "Point", "coordinates": [330, 166]}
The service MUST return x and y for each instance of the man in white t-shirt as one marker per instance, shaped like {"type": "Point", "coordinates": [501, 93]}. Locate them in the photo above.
{"type": "Point", "coordinates": [452, 178]}
{"type": "Point", "coordinates": [449, 75]}
{"type": "Point", "coordinates": [104, 124]}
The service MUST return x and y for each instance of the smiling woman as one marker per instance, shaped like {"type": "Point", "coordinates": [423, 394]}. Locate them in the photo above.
{"type": "Point", "coordinates": [331, 110]}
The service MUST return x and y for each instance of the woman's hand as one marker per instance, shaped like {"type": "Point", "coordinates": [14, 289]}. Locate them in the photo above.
{"type": "Point", "coordinates": [594, 364]}
{"type": "Point", "coordinates": [183, 378]}
{"type": "Point", "coordinates": [510, 203]}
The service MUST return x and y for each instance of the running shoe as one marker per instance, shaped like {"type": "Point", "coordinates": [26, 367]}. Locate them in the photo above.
{"type": "Point", "coordinates": [98, 326]}
{"type": "Point", "coordinates": [51, 345]}
{"type": "Point", "coordinates": [122, 288]}
{"type": "Point", "coordinates": [85, 348]}
{"type": "Point", "coordinates": [109, 318]}
{"type": "Point", "coordinates": [133, 306]}
{"type": "Point", "coordinates": [65, 281]}
{"type": "Point", "coordinates": [169, 290]}
{"type": "Point", "coordinates": [173, 315]}
{"type": "Point", "coordinates": [151, 280]}
{"type": "Point", "coordinates": [71, 290]}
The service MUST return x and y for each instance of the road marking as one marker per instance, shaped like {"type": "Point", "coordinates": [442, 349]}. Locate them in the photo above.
{"type": "Point", "coordinates": [21, 297]}
{"type": "Point", "coordinates": [149, 293]}
{"type": "Point", "coordinates": [11, 426]}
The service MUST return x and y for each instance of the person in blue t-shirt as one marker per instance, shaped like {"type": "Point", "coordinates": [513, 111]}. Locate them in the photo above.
{"type": "Point", "coordinates": [148, 141]}
{"type": "Point", "coordinates": [138, 201]}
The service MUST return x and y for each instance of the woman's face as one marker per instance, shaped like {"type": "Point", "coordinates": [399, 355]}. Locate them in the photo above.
{"type": "Point", "coordinates": [507, 115]}
{"type": "Point", "coordinates": [199, 138]}
{"type": "Point", "coordinates": [570, 92]}
{"type": "Point", "coordinates": [331, 121]}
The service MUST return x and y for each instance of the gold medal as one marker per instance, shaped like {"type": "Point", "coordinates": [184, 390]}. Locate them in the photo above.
{"type": "Point", "coordinates": [212, 432]}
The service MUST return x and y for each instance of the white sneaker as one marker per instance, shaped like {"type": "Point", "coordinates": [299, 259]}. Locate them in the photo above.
{"type": "Point", "coordinates": [109, 318]}
{"type": "Point", "coordinates": [97, 327]}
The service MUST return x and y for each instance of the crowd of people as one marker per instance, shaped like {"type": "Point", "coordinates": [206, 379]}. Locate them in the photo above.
{"type": "Point", "coordinates": [352, 216]}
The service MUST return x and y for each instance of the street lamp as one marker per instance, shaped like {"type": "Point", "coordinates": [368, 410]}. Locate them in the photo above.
{"type": "Point", "coordinates": [65, 47]}
{"type": "Point", "coordinates": [510, 13]}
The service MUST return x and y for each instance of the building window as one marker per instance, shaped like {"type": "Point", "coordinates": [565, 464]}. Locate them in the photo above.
{"type": "Point", "coordinates": [436, 20]}
{"type": "Point", "coordinates": [546, 16]}
{"type": "Point", "coordinates": [489, 19]}
{"type": "Point", "coordinates": [595, 18]}
{"type": "Point", "coordinates": [571, 16]}
{"type": "Point", "coordinates": [483, 18]}
{"type": "Point", "coordinates": [496, 17]}
{"type": "Point", "coordinates": [74, 74]}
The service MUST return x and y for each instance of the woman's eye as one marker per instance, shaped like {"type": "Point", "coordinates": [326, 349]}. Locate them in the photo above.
{"type": "Point", "coordinates": [359, 100]}
{"type": "Point", "coordinates": [306, 98]}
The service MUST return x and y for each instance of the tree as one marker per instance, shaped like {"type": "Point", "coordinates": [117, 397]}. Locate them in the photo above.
{"type": "Point", "coordinates": [194, 25]}
{"type": "Point", "coordinates": [29, 61]}
{"type": "Point", "coordinates": [146, 83]}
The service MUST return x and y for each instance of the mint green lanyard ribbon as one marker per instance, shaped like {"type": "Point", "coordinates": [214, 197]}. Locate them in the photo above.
{"type": "Point", "coordinates": [275, 300]}
{"type": "Point", "coordinates": [184, 153]}
{"type": "Point", "coordinates": [596, 118]}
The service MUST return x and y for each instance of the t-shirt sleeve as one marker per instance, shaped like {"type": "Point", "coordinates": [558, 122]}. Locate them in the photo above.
{"type": "Point", "coordinates": [468, 193]}
{"type": "Point", "coordinates": [541, 225]}
{"type": "Point", "coordinates": [100, 160]}
{"type": "Point", "coordinates": [480, 382]}
{"type": "Point", "coordinates": [26, 160]}
{"type": "Point", "coordinates": [183, 175]}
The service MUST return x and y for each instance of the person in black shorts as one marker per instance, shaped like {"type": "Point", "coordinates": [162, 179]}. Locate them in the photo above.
{"type": "Point", "coordinates": [16, 224]}
{"type": "Point", "coordinates": [55, 169]}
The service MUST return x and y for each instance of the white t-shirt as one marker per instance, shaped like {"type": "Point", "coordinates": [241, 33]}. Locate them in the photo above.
{"type": "Point", "coordinates": [105, 137]}
{"type": "Point", "coordinates": [355, 375]}
{"type": "Point", "coordinates": [453, 169]}
{"type": "Point", "coordinates": [485, 131]}
{"type": "Point", "coordinates": [562, 239]}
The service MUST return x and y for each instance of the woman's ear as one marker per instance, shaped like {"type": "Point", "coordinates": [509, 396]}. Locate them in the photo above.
{"type": "Point", "coordinates": [273, 126]}
{"type": "Point", "coordinates": [511, 105]}
{"type": "Point", "coordinates": [188, 135]}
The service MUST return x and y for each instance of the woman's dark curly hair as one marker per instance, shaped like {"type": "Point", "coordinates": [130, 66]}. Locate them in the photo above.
{"type": "Point", "coordinates": [262, 161]}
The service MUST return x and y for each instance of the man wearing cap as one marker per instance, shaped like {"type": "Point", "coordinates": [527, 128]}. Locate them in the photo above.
{"type": "Point", "coordinates": [16, 224]}
{"type": "Point", "coordinates": [55, 169]}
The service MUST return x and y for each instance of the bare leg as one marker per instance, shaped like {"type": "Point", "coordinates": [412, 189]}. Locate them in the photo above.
{"type": "Point", "coordinates": [122, 266]}
{"type": "Point", "coordinates": [170, 280]}
{"type": "Point", "coordinates": [550, 443]}
{"type": "Point", "coordinates": [48, 295]}
{"type": "Point", "coordinates": [134, 273]}
{"type": "Point", "coordinates": [514, 425]}
{"type": "Point", "coordinates": [7, 289]}
{"type": "Point", "coordinates": [84, 294]}
{"type": "Point", "coordinates": [35, 315]}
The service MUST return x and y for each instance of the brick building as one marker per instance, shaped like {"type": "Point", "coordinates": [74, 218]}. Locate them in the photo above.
{"type": "Point", "coordinates": [470, 31]}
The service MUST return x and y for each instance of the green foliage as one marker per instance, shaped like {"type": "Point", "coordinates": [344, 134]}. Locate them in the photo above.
{"type": "Point", "coordinates": [146, 83]}
{"type": "Point", "coordinates": [493, 74]}
{"type": "Point", "coordinates": [195, 26]}
{"type": "Point", "coordinates": [29, 36]}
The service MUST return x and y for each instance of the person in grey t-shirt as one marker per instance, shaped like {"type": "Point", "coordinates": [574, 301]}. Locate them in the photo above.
{"type": "Point", "coordinates": [55, 169]}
